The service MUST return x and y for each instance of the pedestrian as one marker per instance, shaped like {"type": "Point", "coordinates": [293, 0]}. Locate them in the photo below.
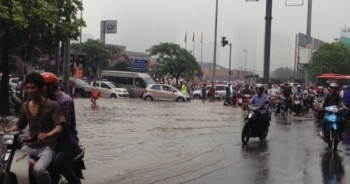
{"type": "Point", "coordinates": [212, 93]}
{"type": "Point", "coordinates": [204, 92]}
{"type": "Point", "coordinates": [95, 93]}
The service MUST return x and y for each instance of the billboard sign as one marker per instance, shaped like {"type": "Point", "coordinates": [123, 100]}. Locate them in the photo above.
{"type": "Point", "coordinates": [110, 26]}
{"type": "Point", "coordinates": [345, 36]}
{"type": "Point", "coordinates": [139, 65]}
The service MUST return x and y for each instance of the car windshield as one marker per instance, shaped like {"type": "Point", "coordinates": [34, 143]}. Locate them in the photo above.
{"type": "Point", "coordinates": [148, 80]}
{"type": "Point", "coordinates": [111, 84]}
{"type": "Point", "coordinates": [81, 83]}
{"type": "Point", "coordinates": [324, 81]}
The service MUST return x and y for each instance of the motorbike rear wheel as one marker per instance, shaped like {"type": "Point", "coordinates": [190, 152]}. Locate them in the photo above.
{"type": "Point", "coordinates": [263, 136]}
{"type": "Point", "coordinates": [335, 135]}
{"type": "Point", "coordinates": [245, 132]}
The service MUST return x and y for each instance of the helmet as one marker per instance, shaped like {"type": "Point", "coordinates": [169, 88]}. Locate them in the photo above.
{"type": "Point", "coordinates": [298, 86]}
{"type": "Point", "coordinates": [259, 86]}
{"type": "Point", "coordinates": [345, 87]}
{"type": "Point", "coordinates": [50, 78]}
{"type": "Point", "coordinates": [333, 85]}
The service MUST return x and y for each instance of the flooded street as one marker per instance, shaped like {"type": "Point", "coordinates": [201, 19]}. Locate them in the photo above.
{"type": "Point", "coordinates": [133, 141]}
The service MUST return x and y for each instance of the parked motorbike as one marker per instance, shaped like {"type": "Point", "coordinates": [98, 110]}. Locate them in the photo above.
{"type": "Point", "coordinates": [298, 108]}
{"type": "Point", "coordinates": [333, 116]}
{"type": "Point", "coordinates": [15, 100]}
{"type": "Point", "coordinates": [253, 126]}
{"type": "Point", "coordinates": [16, 165]}
{"type": "Point", "coordinates": [229, 101]}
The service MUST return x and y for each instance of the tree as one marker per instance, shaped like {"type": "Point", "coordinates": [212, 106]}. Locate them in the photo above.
{"type": "Point", "coordinates": [100, 55]}
{"type": "Point", "coordinates": [173, 59]}
{"type": "Point", "coordinates": [28, 25]}
{"type": "Point", "coordinates": [283, 73]}
{"type": "Point", "coordinates": [332, 58]}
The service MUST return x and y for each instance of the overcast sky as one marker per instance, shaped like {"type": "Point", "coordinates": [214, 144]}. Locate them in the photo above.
{"type": "Point", "coordinates": [143, 23]}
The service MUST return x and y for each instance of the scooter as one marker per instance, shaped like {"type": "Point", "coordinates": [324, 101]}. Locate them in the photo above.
{"type": "Point", "coordinates": [16, 165]}
{"type": "Point", "coordinates": [15, 100]}
{"type": "Point", "coordinates": [298, 108]}
{"type": "Point", "coordinates": [253, 127]}
{"type": "Point", "coordinates": [319, 115]}
{"type": "Point", "coordinates": [333, 118]}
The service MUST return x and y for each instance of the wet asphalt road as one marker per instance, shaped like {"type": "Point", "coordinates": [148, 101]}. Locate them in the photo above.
{"type": "Point", "coordinates": [133, 141]}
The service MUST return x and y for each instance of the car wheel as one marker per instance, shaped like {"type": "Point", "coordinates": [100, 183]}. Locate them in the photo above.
{"type": "Point", "coordinates": [180, 99]}
{"type": "Point", "coordinates": [113, 96]}
{"type": "Point", "coordinates": [148, 98]}
{"type": "Point", "coordinates": [196, 96]}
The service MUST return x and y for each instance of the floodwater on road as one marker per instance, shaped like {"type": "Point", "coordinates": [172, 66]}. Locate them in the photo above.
{"type": "Point", "coordinates": [134, 141]}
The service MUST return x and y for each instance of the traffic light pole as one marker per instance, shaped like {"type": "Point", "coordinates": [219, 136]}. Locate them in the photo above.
{"type": "Point", "coordinates": [229, 68]}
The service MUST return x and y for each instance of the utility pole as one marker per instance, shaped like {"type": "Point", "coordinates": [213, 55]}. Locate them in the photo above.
{"type": "Point", "coordinates": [81, 30]}
{"type": "Point", "coordinates": [268, 22]}
{"type": "Point", "coordinates": [215, 40]}
{"type": "Point", "coordinates": [245, 63]}
{"type": "Point", "coordinates": [308, 39]}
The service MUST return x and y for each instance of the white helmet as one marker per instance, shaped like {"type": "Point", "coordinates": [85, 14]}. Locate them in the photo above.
{"type": "Point", "coordinates": [298, 86]}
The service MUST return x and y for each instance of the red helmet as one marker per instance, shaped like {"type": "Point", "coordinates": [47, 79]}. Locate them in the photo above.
{"type": "Point", "coordinates": [50, 78]}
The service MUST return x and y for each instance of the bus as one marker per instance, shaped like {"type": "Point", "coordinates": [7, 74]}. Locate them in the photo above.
{"type": "Point", "coordinates": [134, 82]}
{"type": "Point", "coordinates": [328, 78]}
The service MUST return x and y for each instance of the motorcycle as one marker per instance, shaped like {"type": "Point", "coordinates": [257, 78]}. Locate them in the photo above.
{"type": "Point", "coordinates": [333, 116]}
{"type": "Point", "coordinates": [319, 115]}
{"type": "Point", "coordinates": [16, 165]}
{"type": "Point", "coordinates": [298, 108]}
{"type": "Point", "coordinates": [253, 127]}
{"type": "Point", "coordinates": [245, 100]}
{"type": "Point", "coordinates": [15, 100]}
{"type": "Point", "coordinates": [283, 108]}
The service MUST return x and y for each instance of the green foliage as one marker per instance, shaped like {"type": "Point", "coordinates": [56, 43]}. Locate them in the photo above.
{"type": "Point", "coordinates": [282, 73]}
{"type": "Point", "coordinates": [333, 57]}
{"type": "Point", "coordinates": [103, 56]}
{"type": "Point", "coordinates": [34, 25]}
{"type": "Point", "coordinates": [175, 60]}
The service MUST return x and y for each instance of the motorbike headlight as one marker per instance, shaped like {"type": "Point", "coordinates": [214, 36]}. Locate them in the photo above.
{"type": "Point", "coordinates": [7, 139]}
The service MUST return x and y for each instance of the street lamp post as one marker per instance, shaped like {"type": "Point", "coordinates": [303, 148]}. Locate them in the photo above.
{"type": "Point", "coordinates": [229, 75]}
{"type": "Point", "coordinates": [215, 40]}
{"type": "Point", "coordinates": [245, 63]}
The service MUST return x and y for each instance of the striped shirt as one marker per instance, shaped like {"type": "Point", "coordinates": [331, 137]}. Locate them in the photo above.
{"type": "Point", "coordinates": [67, 105]}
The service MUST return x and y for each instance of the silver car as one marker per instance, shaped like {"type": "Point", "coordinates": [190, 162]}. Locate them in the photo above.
{"type": "Point", "coordinates": [164, 92]}
{"type": "Point", "coordinates": [220, 91]}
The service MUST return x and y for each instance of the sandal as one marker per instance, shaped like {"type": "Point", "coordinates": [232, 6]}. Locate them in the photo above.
{"type": "Point", "coordinates": [321, 135]}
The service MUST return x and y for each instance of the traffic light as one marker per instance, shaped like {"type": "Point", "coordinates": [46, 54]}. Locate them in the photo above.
{"type": "Point", "coordinates": [231, 72]}
{"type": "Point", "coordinates": [224, 41]}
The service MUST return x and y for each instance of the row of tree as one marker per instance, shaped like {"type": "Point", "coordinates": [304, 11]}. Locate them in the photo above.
{"type": "Point", "coordinates": [32, 28]}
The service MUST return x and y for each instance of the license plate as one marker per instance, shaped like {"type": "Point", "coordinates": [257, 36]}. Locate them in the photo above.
{"type": "Point", "coordinates": [250, 115]}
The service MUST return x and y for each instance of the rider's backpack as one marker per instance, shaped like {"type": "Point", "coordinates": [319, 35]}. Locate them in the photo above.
{"type": "Point", "coordinates": [346, 97]}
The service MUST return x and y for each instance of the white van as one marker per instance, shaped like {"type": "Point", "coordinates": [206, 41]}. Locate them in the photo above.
{"type": "Point", "coordinates": [134, 82]}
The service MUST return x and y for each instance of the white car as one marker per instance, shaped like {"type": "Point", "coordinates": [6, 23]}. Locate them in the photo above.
{"type": "Point", "coordinates": [13, 82]}
{"type": "Point", "coordinates": [110, 90]}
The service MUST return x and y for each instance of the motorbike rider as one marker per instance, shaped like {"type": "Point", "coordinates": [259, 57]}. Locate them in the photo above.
{"type": "Point", "coordinates": [288, 94]}
{"type": "Point", "coordinates": [262, 100]}
{"type": "Point", "coordinates": [332, 98]}
{"type": "Point", "coordinates": [344, 88]}
{"type": "Point", "coordinates": [44, 113]}
{"type": "Point", "coordinates": [68, 141]}
{"type": "Point", "coordinates": [228, 91]}
{"type": "Point", "coordinates": [299, 92]}
{"type": "Point", "coordinates": [319, 92]}
{"type": "Point", "coordinates": [247, 91]}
